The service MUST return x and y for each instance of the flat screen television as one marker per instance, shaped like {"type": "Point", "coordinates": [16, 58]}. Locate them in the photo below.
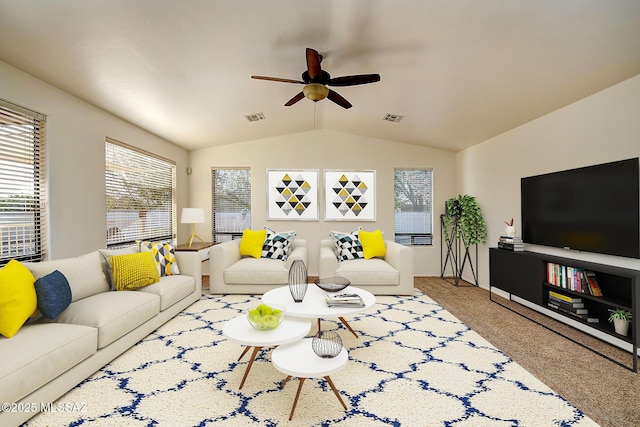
{"type": "Point", "coordinates": [592, 209]}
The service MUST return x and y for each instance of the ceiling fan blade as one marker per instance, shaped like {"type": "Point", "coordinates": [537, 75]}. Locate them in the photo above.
{"type": "Point", "coordinates": [295, 99]}
{"type": "Point", "coordinates": [277, 79]}
{"type": "Point", "coordinates": [359, 79]}
{"type": "Point", "coordinates": [313, 63]}
{"type": "Point", "coordinates": [335, 97]}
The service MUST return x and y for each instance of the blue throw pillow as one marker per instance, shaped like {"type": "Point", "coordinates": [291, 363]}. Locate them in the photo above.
{"type": "Point", "coordinates": [53, 293]}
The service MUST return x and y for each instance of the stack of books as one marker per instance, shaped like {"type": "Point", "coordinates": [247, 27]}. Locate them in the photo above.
{"type": "Point", "coordinates": [570, 305]}
{"type": "Point", "coordinates": [344, 300]}
{"type": "Point", "coordinates": [511, 243]}
{"type": "Point", "coordinates": [574, 279]}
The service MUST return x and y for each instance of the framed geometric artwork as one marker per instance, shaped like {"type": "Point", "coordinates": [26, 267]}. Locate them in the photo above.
{"type": "Point", "coordinates": [349, 195]}
{"type": "Point", "coordinates": [292, 194]}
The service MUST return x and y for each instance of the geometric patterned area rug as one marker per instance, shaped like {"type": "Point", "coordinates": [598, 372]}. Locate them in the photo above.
{"type": "Point", "coordinates": [413, 364]}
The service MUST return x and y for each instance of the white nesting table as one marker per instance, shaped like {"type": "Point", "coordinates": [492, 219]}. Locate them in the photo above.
{"type": "Point", "coordinates": [313, 304]}
{"type": "Point", "coordinates": [297, 359]}
{"type": "Point", "coordinates": [240, 330]}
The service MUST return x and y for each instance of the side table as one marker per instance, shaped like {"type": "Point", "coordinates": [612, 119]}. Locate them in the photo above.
{"type": "Point", "coordinates": [240, 330]}
{"type": "Point", "coordinates": [297, 359]}
{"type": "Point", "coordinates": [203, 250]}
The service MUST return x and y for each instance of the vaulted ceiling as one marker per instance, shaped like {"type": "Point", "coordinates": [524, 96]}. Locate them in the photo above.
{"type": "Point", "coordinates": [458, 71]}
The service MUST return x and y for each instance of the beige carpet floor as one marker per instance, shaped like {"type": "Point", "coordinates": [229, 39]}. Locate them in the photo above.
{"type": "Point", "coordinates": [605, 391]}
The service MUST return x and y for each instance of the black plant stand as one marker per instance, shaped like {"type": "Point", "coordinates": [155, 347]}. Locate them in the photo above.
{"type": "Point", "coordinates": [457, 253]}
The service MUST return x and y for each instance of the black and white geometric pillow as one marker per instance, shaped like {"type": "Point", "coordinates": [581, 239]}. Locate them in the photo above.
{"type": "Point", "coordinates": [277, 245]}
{"type": "Point", "coordinates": [164, 256]}
{"type": "Point", "coordinates": [347, 246]}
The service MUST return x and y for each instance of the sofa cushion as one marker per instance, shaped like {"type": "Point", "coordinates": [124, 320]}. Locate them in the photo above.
{"type": "Point", "coordinates": [277, 245]}
{"type": "Point", "coordinates": [347, 245]}
{"type": "Point", "coordinates": [40, 352]}
{"type": "Point", "coordinates": [164, 255]}
{"type": "Point", "coordinates": [106, 255]}
{"type": "Point", "coordinates": [256, 271]}
{"type": "Point", "coordinates": [171, 289]}
{"type": "Point", "coordinates": [251, 243]}
{"type": "Point", "coordinates": [373, 271]}
{"type": "Point", "coordinates": [133, 271]}
{"type": "Point", "coordinates": [84, 273]}
{"type": "Point", "coordinates": [112, 313]}
{"type": "Point", "coordinates": [53, 293]}
{"type": "Point", "coordinates": [17, 297]}
{"type": "Point", "coordinates": [372, 244]}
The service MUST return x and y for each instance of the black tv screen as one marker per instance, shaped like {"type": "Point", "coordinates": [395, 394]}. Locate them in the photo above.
{"type": "Point", "coordinates": [593, 209]}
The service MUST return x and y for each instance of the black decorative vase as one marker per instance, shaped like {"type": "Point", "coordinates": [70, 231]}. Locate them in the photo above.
{"type": "Point", "coordinates": [327, 344]}
{"type": "Point", "coordinates": [298, 280]}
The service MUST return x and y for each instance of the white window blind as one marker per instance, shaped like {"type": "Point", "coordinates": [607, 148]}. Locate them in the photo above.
{"type": "Point", "coordinates": [140, 189]}
{"type": "Point", "coordinates": [23, 187]}
{"type": "Point", "coordinates": [231, 203]}
{"type": "Point", "coordinates": [413, 194]}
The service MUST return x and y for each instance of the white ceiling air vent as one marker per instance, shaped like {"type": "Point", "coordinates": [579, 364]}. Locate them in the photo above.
{"type": "Point", "coordinates": [392, 118]}
{"type": "Point", "coordinates": [254, 117]}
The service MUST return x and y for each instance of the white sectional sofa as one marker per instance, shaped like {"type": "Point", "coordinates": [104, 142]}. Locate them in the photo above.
{"type": "Point", "coordinates": [391, 275]}
{"type": "Point", "coordinates": [47, 358]}
{"type": "Point", "coordinates": [232, 274]}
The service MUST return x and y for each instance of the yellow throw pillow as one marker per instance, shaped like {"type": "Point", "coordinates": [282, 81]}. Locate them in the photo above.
{"type": "Point", "coordinates": [372, 244]}
{"type": "Point", "coordinates": [18, 300]}
{"type": "Point", "coordinates": [251, 243]}
{"type": "Point", "coordinates": [133, 271]}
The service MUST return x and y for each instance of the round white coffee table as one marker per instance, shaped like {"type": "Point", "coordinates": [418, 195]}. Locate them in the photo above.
{"type": "Point", "coordinates": [240, 330]}
{"type": "Point", "coordinates": [297, 359]}
{"type": "Point", "coordinates": [313, 304]}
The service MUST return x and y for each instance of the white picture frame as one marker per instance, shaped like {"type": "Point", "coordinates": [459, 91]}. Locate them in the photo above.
{"type": "Point", "coordinates": [349, 195]}
{"type": "Point", "coordinates": [292, 194]}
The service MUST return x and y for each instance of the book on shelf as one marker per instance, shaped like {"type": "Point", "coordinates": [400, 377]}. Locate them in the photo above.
{"type": "Point", "coordinates": [593, 284]}
{"type": "Point", "coordinates": [584, 283]}
{"type": "Point", "coordinates": [564, 303]}
{"type": "Point", "coordinates": [562, 307]}
{"type": "Point", "coordinates": [564, 297]}
{"type": "Point", "coordinates": [586, 317]}
{"type": "Point", "coordinates": [344, 300]}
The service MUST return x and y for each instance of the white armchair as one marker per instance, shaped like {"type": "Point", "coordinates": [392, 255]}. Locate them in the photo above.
{"type": "Point", "coordinates": [232, 274]}
{"type": "Point", "coordinates": [392, 275]}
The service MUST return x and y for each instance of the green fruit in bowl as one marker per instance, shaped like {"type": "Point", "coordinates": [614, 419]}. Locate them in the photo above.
{"type": "Point", "coordinates": [264, 317]}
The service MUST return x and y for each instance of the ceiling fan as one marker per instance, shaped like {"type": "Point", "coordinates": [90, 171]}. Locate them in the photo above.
{"type": "Point", "coordinates": [316, 81]}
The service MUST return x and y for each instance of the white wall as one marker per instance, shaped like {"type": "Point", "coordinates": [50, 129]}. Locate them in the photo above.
{"type": "Point", "coordinates": [76, 132]}
{"type": "Point", "coordinates": [601, 128]}
{"type": "Point", "coordinates": [322, 150]}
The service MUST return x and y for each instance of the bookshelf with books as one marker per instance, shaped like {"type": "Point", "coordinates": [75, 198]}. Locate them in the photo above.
{"type": "Point", "coordinates": [578, 291]}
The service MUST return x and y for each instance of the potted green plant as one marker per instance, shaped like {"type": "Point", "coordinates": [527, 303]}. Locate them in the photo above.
{"type": "Point", "coordinates": [621, 319]}
{"type": "Point", "coordinates": [464, 217]}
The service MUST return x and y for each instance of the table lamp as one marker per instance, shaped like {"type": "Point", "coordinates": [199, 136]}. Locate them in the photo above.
{"type": "Point", "coordinates": [193, 216]}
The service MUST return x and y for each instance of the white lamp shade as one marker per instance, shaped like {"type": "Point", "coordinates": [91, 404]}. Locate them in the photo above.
{"type": "Point", "coordinates": [192, 216]}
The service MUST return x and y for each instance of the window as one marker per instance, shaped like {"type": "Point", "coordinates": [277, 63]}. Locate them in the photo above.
{"type": "Point", "coordinates": [140, 191]}
{"type": "Point", "coordinates": [413, 194]}
{"type": "Point", "coordinates": [231, 203]}
{"type": "Point", "coordinates": [23, 187]}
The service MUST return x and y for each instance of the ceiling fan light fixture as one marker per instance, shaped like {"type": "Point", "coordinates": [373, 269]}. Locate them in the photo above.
{"type": "Point", "coordinates": [315, 91]}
